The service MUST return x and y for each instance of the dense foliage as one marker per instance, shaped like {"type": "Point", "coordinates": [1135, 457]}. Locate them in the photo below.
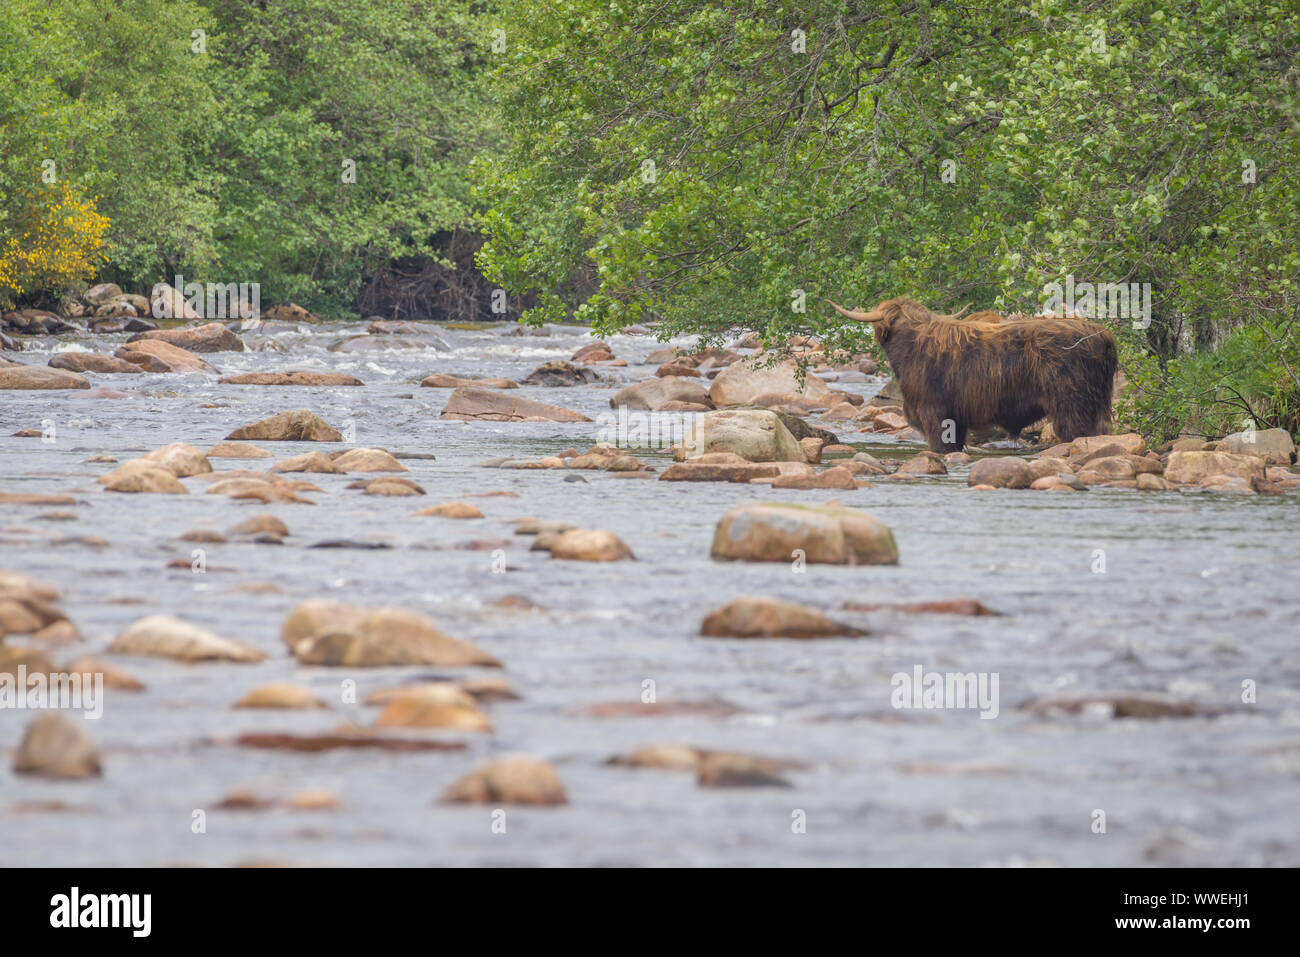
{"type": "Point", "coordinates": [953, 152]}
{"type": "Point", "coordinates": [300, 144]}
{"type": "Point", "coordinates": [713, 165]}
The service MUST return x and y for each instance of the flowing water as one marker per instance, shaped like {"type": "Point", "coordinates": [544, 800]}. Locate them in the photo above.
{"type": "Point", "coordinates": [1199, 594]}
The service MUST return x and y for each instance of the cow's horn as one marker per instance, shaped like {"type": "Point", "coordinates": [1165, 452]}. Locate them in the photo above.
{"type": "Point", "coordinates": [859, 314]}
{"type": "Point", "coordinates": [958, 314]}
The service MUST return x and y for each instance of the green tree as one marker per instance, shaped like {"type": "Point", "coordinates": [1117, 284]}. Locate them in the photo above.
{"type": "Point", "coordinates": [949, 152]}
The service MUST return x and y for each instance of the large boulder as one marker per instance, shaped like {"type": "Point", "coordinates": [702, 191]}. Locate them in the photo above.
{"type": "Point", "coordinates": [756, 435]}
{"type": "Point", "coordinates": [322, 632]}
{"type": "Point", "coordinates": [653, 394]}
{"type": "Point", "coordinates": [472, 404]}
{"type": "Point", "coordinates": [1274, 446]}
{"type": "Point", "coordinates": [741, 382]}
{"type": "Point", "coordinates": [40, 377]}
{"type": "Point", "coordinates": [827, 534]}
{"type": "Point", "coordinates": [1193, 468]}
{"type": "Point", "coordinates": [300, 425]}
{"type": "Point", "coordinates": [209, 337]}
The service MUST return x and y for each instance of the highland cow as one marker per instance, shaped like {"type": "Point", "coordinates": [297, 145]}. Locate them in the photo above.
{"type": "Point", "coordinates": [956, 375]}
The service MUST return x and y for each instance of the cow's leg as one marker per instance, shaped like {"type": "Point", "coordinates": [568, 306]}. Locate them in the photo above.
{"type": "Point", "coordinates": [945, 434]}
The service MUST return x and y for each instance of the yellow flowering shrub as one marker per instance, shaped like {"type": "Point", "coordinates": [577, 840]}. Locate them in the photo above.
{"type": "Point", "coordinates": [57, 237]}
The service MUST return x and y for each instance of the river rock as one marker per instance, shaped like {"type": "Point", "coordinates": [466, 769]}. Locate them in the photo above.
{"type": "Point", "coordinates": [1274, 446]}
{"type": "Point", "coordinates": [470, 404]}
{"type": "Point", "coordinates": [924, 463]}
{"type": "Point", "coordinates": [91, 362]}
{"type": "Point", "coordinates": [836, 477]}
{"type": "Point", "coordinates": [1132, 443]}
{"type": "Point", "coordinates": [1000, 472]}
{"type": "Point", "coordinates": [459, 712]}
{"type": "Point", "coordinates": [594, 545]}
{"type": "Point", "coordinates": [756, 435]}
{"type": "Point", "coordinates": [162, 636]}
{"type": "Point", "coordinates": [292, 377]}
{"type": "Point", "coordinates": [331, 633]}
{"type": "Point", "coordinates": [178, 458]}
{"type": "Point", "coordinates": [101, 293]}
{"type": "Point", "coordinates": [40, 377]}
{"type": "Point", "coordinates": [390, 486]}
{"type": "Point", "coordinates": [740, 382]}
{"type": "Point", "coordinates": [514, 779]}
{"type": "Point", "coordinates": [440, 380]}
{"type": "Point", "coordinates": [289, 312]}
{"type": "Point", "coordinates": [317, 462]}
{"type": "Point", "coordinates": [558, 372]}
{"type": "Point", "coordinates": [653, 394]}
{"type": "Point", "coordinates": [1044, 466]}
{"type": "Point", "coordinates": [762, 617]}
{"type": "Point", "coordinates": [827, 534]}
{"type": "Point", "coordinates": [451, 510]}
{"type": "Point", "coordinates": [237, 450]}
{"type": "Point", "coordinates": [300, 425]}
{"type": "Point", "coordinates": [723, 770]}
{"type": "Point", "coordinates": [1149, 482]}
{"type": "Point", "coordinates": [282, 695]}
{"type": "Point", "coordinates": [141, 476]}
{"type": "Point", "coordinates": [176, 357]}
{"type": "Point", "coordinates": [367, 460]}
{"type": "Point", "coordinates": [1192, 468]}
{"type": "Point", "coordinates": [116, 678]}
{"type": "Point", "coordinates": [721, 467]}
{"type": "Point", "coordinates": [209, 337]}
{"type": "Point", "coordinates": [55, 747]}
{"type": "Point", "coordinates": [262, 526]}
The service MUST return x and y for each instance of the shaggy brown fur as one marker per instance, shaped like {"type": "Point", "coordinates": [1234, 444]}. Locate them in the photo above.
{"type": "Point", "coordinates": [972, 374]}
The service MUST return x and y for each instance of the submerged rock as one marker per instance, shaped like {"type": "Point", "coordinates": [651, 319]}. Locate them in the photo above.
{"type": "Point", "coordinates": [828, 534]}
{"type": "Point", "coordinates": [760, 617]}
{"type": "Point", "coordinates": [292, 377]}
{"type": "Point", "coordinates": [470, 404]}
{"type": "Point", "coordinates": [280, 695]}
{"type": "Point", "coordinates": [514, 779]}
{"type": "Point", "coordinates": [40, 377]}
{"type": "Point", "coordinates": [300, 425]}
